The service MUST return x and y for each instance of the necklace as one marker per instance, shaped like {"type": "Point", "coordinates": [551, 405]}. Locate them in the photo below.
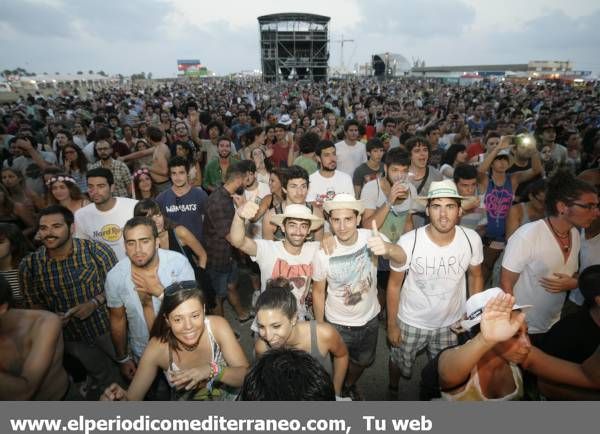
{"type": "Point", "coordinates": [564, 245]}
{"type": "Point", "coordinates": [558, 234]}
{"type": "Point", "coordinates": [190, 348]}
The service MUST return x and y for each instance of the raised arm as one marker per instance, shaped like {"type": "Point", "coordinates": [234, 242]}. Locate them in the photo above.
{"type": "Point", "coordinates": [237, 233]}
{"type": "Point", "coordinates": [526, 175]}
{"type": "Point", "coordinates": [268, 228]}
{"type": "Point", "coordinates": [137, 155]}
{"type": "Point", "coordinates": [505, 143]}
{"type": "Point", "coordinates": [497, 325]}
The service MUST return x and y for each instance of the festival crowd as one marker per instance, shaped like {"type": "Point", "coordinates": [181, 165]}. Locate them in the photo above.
{"type": "Point", "coordinates": [460, 221]}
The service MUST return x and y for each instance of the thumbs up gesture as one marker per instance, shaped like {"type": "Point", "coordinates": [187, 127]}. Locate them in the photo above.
{"type": "Point", "coordinates": [377, 245]}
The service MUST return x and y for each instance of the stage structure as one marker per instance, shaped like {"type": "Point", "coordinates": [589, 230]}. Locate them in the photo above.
{"type": "Point", "coordinates": [294, 46]}
{"type": "Point", "coordinates": [388, 65]}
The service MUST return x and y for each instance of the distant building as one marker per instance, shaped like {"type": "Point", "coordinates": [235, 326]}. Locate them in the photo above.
{"type": "Point", "coordinates": [536, 69]}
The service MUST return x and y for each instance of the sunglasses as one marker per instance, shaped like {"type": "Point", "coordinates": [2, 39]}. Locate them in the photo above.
{"type": "Point", "coordinates": [588, 206]}
{"type": "Point", "coordinates": [180, 286]}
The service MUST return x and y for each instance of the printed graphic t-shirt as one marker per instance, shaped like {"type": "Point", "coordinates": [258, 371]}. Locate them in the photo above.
{"type": "Point", "coordinates": [274, 261]}
{"type": "Point", "coordinates": [105, 226]}
{"type": "Point", "coordinates": [351, 273]}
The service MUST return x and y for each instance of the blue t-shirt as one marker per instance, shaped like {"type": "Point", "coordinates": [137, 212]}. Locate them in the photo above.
{"type": "Point", "coordinates": [187, 210]}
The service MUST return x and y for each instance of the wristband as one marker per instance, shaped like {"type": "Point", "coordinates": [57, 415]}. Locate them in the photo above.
{"type": "Point", "coordinates": [96, 302]}
{"type": "Point", "coordinates": [214, 370]}
{"type": "Point", "coordinates": [124, 360]}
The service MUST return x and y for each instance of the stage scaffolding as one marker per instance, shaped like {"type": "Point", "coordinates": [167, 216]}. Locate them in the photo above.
{"type": "Point", "coordinates": [294, 45]}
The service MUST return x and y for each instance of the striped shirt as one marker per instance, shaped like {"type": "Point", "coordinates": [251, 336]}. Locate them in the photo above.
{"type": "Point", "coordinates": [59, 285]}
{"type": "Point", "coordinates": [12, 277]}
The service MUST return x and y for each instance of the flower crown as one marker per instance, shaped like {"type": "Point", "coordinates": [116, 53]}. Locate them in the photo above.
{"type": "Point", "coordinates": [61, 179]}
{"type": "Point", "coordinates": [141, 172]}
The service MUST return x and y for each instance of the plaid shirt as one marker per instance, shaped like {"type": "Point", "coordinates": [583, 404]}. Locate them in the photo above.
{"type": "Point", "coordinates": [121, 174]}
{"type": "Point", "coordinates": [59, 285]}
{"type": "Point", "coordinates": [217, 222]}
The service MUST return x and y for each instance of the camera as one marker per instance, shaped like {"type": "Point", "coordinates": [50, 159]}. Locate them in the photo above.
{"type": "Point", "coordinates": [525, 144]}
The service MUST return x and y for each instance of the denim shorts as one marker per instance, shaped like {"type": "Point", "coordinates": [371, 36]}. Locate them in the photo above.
{"type": "Point", "coordinates": [361, 341]}
{"type": "Point", "coordinates": [220, 280]}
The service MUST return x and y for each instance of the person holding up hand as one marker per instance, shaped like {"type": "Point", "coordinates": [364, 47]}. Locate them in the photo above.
{"type": "Point", "coordinates": [488, 366]}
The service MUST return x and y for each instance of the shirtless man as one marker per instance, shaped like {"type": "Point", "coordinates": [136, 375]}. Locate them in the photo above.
{"type": "Point", "coordinates": [160, 156]}
{"type": "Point", "coordinates": [31, 345]}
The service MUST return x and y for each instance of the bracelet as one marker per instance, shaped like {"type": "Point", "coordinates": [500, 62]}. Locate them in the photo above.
{"type": "Point", "coordinates": [96, 302]}
{"type": "Point", "coordinates": [124, 360]}
{"type": "Point", "coordinates": [219, 377]}
{"type": "Point", "coordinates": [214, 375]}
{"type": "Point", "coordinates": [214, 370]}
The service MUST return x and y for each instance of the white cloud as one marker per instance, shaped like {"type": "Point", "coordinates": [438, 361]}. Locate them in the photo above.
{"type": "Point", "coordinates": [129, 36]}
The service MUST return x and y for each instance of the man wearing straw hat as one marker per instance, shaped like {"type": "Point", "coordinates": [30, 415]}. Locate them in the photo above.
{"type": "Point", "coordinates": [291, 257]}
{"type": "Point", "coordinates": [427, 288]}
{"type": "Point", "coordinates": [349, 277]}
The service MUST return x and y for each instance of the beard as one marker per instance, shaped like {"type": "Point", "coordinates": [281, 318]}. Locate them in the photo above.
{"type": "Point", "coordinates": [329, 169]}
{"type": "Point", "coordinates": [146, 262]}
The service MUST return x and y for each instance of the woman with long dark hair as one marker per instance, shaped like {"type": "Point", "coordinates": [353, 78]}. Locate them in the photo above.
{"type": "Point", "coordinates": [199, 354]}
{"type": "Point", "coordinates": [14, 181]}
{"type": "Point", "coordinates": [143, 185]}
{"type": "Point", "coordinates": [455, 155]}
{"type": "Point", "coordinates": [278, 327]}
{"type": "Point", "coordinates": [75, 163]}
{"type": "Point", "coordinates": [63, 190]}
{"type": "Point", "coordinates": [13, 247]}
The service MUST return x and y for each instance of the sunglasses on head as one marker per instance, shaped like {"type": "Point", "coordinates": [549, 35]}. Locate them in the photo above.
{"type": "Point", "coordinates": [181, 286]}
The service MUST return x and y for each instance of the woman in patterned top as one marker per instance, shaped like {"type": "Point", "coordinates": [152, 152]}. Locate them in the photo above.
{"type": "Point", "coordinates": [199, 354]}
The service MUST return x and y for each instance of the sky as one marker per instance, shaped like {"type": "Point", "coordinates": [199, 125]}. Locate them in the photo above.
{"type": "Point", "coordinates": [131, 36]}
